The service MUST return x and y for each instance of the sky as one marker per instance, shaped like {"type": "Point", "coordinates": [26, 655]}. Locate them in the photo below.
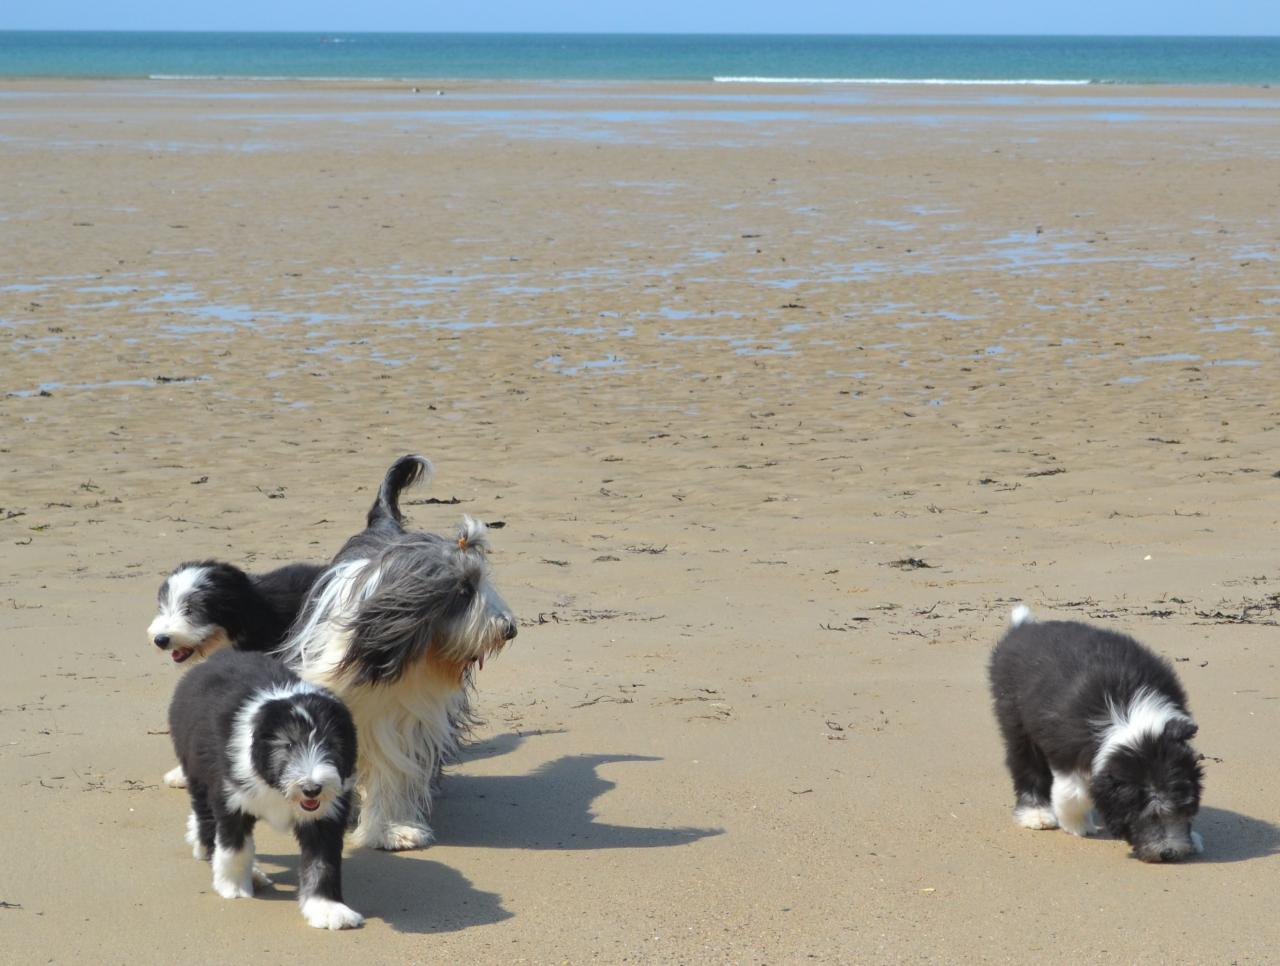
{"type": "Point", "coordinates": [1246, 17]}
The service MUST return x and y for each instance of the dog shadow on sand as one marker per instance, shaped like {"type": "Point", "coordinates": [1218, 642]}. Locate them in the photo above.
{"type": "Point", "coordinates": [408, 892]}
{"type": "Point", "coordinates": [1232, 837]}
{"type": "Point", "coordinates": [1229, 837]}
{"type": "Point", "coordinates": [547, 809]}
{"type": "Point", "coordinates": [498, 745]}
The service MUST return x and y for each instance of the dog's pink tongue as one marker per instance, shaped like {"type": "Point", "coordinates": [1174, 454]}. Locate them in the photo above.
{"type": "Point", "coordinates": [310, 804]}
{"type": "Point", "coordinates": [180, 654]}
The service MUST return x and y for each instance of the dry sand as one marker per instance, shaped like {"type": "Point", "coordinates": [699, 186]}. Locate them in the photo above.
{"type": "Point", "coordinates": [717, 363]}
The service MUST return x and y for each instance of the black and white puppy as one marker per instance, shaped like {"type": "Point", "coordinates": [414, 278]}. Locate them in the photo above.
{"type": "Point", "coordinates": [208, 605]}
{"type": "Point", "coordinates": [1092, 719]}
{"type": "Point", "coordinates": [397, 627]}
{"type": "Point", "coordinates": [257, 742]}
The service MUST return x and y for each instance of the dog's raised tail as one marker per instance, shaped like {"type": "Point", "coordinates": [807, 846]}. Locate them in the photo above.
{"type": "Point", "coordinates": [404, 472]}
{"type": "Point", "coordinates": [1021, 614]}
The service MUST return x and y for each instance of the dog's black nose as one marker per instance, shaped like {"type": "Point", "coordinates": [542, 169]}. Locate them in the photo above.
{"type": "Point", "coordinates": [162, 640]}
{"type": "Point", "coordinates": [1168, 855]}
{"type": "Point", "coordinates": [510, 631]}
{"type": "Point", "coordinates": [311, 791]}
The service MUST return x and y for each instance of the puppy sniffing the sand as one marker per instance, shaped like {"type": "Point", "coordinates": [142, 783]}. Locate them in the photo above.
{"type": "Point", "coordinates": [1092, 719]}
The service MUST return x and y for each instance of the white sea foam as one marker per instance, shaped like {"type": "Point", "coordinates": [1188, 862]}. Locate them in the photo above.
{"type": "Point", "coordinates": [1042, 82]}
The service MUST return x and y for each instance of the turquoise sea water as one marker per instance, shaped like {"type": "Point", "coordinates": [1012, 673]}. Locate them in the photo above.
{"type": "Point", "coordinates": [632, 57]}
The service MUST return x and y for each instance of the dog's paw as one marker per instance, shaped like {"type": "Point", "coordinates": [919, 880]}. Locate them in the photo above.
{"type": "Point", "coordinates": [175, 777]}
{"type": "Point", "coordinates": [260, 878]}
{"type": "Point", "coordinates": [1081, 827]}
{"type": "Point", "coordinates": [229, 888]}
{"type": "Point", "coordinates": [233, 871]}
{"type": "Point", "coordinates": [394, 838]}
{"type": "Point", "coordinates": [1197, 842]}
{"type": "Point", "coordinates": [1035, 816]}
{"type": "Point", "coordinates": [327, 914]}
{"type": "Point", "coordinates": [399, 837]}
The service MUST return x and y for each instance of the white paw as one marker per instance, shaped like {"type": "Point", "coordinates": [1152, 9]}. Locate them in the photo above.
{"type": "Point", "coordinates": [229, 888]}
{"type": "Point", "coordinates": [1082, 827]}
{"type": "Point", "coordinates": [1197, 842]}
{"type": "Point", "coordinates": [193, 838]}
{"type": "Point", "coordinates": [1035, 816]}
{"type": "Point", "coordinates": [327, 914]}
{"type": "Point", "coordinates": [175, 777]}
{"type": "Point", "coordinates": [260, 878]}
{"type": "Point", "coordinates": [233, 871]}
{"type": "Point", "coordinates": [395, 838]}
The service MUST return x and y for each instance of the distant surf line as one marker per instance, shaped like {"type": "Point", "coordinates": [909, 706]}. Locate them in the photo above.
{"type": "Point", "coordinates": [937, 81]}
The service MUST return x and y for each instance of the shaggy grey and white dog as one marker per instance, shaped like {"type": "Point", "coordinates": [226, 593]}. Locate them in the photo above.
{"type": "Point", "coordinates": [1091, 718]}
{"type": "Point", "coordinates": [396, 627]}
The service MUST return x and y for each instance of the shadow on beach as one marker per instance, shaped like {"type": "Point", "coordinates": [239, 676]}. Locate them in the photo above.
{"type": "Point", "coordinates": [1229, 837]}
{"type": "Point", "coordinates": [1232, 837]}
{"type": "Point", "coordinates": [499, 745]}
{"type": "Point", "coordinates": [407, 891]}
{"type": "Point", "coordinates": [548, 809]}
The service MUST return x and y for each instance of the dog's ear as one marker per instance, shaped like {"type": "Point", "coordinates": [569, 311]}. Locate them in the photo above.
{"type": "Point", "coordinates": [1181, 729]}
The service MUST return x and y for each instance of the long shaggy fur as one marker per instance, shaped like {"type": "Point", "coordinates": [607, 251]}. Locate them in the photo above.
{"type": "Point", "coordinates": [397, 627]}
{"type": "Point", "coordinates": [257, 742]}
{"type": "Point", "coordinates": [1091, 718]}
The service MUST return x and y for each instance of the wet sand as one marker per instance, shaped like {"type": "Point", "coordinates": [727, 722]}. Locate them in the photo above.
{"type": "Point", "coordinates": [783, 396]}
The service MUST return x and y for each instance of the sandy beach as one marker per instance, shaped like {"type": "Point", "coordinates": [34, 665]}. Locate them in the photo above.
{"type": "Point", "coordinates": [782, 397]}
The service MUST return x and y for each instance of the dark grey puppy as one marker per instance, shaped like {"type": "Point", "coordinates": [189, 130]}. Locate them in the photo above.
{"type": "Point", "coordinates": [257, 742]}
{"type": "Point", "coordinates": [1091, 718]}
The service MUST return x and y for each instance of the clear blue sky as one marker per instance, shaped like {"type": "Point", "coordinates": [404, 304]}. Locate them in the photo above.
{"type": "Point", "coordinates": [1250, 17]}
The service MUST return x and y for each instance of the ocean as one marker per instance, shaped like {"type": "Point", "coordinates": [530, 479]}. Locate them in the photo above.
{"type": "Point", "coordinates": [640, 57]}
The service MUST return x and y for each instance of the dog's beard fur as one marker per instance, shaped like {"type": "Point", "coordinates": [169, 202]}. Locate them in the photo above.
{"type": "Point", "coordinates": [195, 643]}
{"type": "Point", "coordinates": [396, 634]}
